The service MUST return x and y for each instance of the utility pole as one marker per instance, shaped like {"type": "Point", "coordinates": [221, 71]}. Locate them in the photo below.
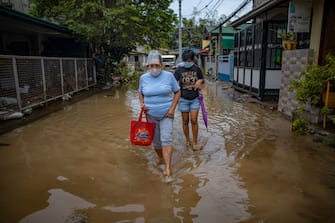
{"type": "Point", "coordinates": [179, 34]}
{"type": "Point", "coordinates": [219, 37]}
{"type": "Point", "coordinates": [218, 51]}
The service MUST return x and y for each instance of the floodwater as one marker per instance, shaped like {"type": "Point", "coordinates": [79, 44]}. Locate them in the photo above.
{"type": "Point", "coordinates": [77, 165]}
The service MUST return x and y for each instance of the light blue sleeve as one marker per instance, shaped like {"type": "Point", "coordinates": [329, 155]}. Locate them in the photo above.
{"type": "Point", "coordinates": [140, 85]}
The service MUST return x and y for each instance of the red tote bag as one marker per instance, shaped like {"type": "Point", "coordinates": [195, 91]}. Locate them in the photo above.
{"type": "Point", "coordinates": [142, 132]}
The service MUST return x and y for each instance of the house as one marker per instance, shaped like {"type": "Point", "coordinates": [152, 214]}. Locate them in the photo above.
{"type": "Point", "coordinates": [219, 60]}
{"type": "Point", "coordinates": [40, 62]}
{"type": "Point", "coordinates": [200, 55]}
{"type": "Point", "coordinates": [136, 59]}
{"type": "Point", "coordinates": [25, 35]}
{"type": "Point", "coordinates": [18, 5]}
{"type": "Point", "coordinates": [261, 67]}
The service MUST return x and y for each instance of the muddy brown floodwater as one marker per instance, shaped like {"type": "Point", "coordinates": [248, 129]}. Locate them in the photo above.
{"type": "Point", "coordinates": [77, 165]}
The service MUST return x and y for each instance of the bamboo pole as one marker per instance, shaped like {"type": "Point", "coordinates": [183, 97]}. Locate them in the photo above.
{"type": "Point", "coordinates": [326, 104]}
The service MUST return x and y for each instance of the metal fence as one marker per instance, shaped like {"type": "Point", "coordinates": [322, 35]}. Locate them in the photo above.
{"type": "Point", "coordinates": [27, 81]}
{"type": "Point", "coordinates": [257, 54]}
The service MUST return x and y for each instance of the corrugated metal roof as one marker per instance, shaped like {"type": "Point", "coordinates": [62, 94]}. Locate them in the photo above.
{"type": "Point", "coordinates": [255, 12]}
{"type": "Point", "coordinates": [225, 30]}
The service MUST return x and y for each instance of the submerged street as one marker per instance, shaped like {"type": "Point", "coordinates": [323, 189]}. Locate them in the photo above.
{"type": "Point", "coordinates": [77, 165]}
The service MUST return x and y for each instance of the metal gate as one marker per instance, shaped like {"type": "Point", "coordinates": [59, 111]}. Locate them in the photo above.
{"type": "Point", "coordinates": [257, 59]}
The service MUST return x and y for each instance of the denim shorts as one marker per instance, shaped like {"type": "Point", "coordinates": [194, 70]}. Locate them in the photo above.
{"type": "Point", "coordinates": [186, 105]}
{"type": "Point", "coordinates": [163, 131]}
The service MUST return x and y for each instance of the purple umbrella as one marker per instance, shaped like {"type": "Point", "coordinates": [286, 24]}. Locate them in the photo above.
{"type": "Point", "coordinates": [203, 109]}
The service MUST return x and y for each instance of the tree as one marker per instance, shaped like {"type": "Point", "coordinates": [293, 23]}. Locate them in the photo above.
{"type": "Point", "coordinates": [116, 25]}
{"type": "Point", "coordinates": [192, 32]}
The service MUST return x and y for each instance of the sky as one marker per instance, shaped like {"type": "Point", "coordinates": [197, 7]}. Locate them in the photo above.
{"type": "Point", "coordinates": [206, 8]}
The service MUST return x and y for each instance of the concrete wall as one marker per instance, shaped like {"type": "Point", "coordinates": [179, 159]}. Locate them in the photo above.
{"type": "Point", "coordinates": [293, 62]}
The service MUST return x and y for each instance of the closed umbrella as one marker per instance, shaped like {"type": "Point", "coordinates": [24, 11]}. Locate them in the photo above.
{"type": "Point", "coordinates": [203, 109]}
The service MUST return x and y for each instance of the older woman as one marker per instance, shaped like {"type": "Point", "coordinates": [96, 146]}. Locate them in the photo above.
{"type": "Point", "coordinates": [159, 94]}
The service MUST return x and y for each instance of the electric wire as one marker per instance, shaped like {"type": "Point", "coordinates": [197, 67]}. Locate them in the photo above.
{"type": "Point", "coordinates": [215, 5]}
{"type": "Point", "coordinates": [209, 9]}
{"type": "Point", "coordinates": [197, 12]}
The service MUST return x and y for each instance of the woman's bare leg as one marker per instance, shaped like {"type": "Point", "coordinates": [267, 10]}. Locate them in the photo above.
{"type": "Point", "coordinates": [185, 118]}
{"type": "Point", "coordinates": [195, 126]}
{"type": "Point", "coordinates": [167, 155]}
{"type": "Point", "coordinates": [160, 159]}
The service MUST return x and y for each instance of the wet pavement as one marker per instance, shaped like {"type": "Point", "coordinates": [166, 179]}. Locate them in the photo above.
{"type": "Point", "coordinates": [77, 165]}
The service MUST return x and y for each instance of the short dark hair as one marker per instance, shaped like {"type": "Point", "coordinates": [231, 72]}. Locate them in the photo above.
{"type": "Point", "coordinates": [188, 54]}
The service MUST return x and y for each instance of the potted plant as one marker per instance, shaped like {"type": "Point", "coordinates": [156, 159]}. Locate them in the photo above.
{"type": "Point", "coordinates": [289, 40]}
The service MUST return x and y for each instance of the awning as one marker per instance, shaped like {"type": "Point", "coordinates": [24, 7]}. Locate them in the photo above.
{"type": "Point", "coordinates": [227, 42]}
{"type": "Point", "coordinates": [255, 12]}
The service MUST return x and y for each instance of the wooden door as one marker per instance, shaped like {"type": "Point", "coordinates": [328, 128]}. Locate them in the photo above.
{"type": "Point", "coordinates": [328, 31]}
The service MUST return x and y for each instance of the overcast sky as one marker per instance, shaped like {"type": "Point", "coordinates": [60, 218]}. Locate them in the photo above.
{"type": "Point", "coordinates": [207, 7]}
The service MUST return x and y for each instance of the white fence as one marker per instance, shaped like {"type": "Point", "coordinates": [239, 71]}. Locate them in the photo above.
{"type": "Point", "coordinates": [210, 66]}
{"type": "Point", "coordinates": [27, 81]}
{"type": "Point", "coordinates": [224, 69]}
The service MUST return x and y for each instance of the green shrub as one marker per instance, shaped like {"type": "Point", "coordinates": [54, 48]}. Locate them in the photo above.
{"type": "Point", "coordinates": [300, 126]}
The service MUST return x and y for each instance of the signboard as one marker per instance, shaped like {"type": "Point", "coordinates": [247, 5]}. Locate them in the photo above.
{"type": "Point", "coordinates": [205, 44]}
{"type": "Point", "coordinates": [299, 15]}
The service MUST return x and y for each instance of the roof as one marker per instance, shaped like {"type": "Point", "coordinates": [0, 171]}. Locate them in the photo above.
{"type": "Point", "coordinates": [242, 27]}
{"type": "Point", "coordinates": [12, 19]}
{"type": "Point", "coordinates": [134, 52]}
{"type": "Point", "coordinates": [225, 30]}
{"type": "Point", "coordinates": [257, 11]}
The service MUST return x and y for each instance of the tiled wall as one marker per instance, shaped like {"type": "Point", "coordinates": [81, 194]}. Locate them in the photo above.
{"type": "Point", "coordinates": [293, 62]}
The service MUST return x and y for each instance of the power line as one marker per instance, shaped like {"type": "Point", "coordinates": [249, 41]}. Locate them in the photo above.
{"type": "Point", "coordinates": [206, 6]}
{"type": "Point", "coordinates": [197, 12]}
{"type": "Point", "coordinates": [220, 4]}
{"type": "Point", "coordinates": [215, 6]}
{"type": "Point", "coordinates": [239, 8]}
{"type": "Point", "coordinates": [199, 3]}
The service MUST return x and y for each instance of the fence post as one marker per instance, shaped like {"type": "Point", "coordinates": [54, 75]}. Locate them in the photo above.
{"type": "Point", "coordinates": [94, 72]}
{"type": "Point", "coordinates": [43, 80]}
{"type": "Point", "coordinates": [61, 75]}
{"type": "Point", "coordinates": [86, 73]}
{"type": "Point", "coordinates": [76, 73]}
{"type": "Point", "coordinates": [17, 85]}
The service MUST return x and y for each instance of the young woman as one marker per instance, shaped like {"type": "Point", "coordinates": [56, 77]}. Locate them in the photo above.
{"type": "Point", "coordinates": [190, 78]}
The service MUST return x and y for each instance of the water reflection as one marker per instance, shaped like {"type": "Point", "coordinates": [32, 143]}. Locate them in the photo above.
{"type": "Point", "coordinates": [126, 208]}
{"type": "Point", "coordinates": [60, 209]}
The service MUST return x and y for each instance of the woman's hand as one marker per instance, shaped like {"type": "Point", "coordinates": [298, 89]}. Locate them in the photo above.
{"type": "Point", "coordinates": [145, 108]}
{"type": "Point", "coordinates": [170, 113]}
{"type": "Point", "coordinates": [141, 100]}
{"type": "Point", "coordinates": [197, 84]}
